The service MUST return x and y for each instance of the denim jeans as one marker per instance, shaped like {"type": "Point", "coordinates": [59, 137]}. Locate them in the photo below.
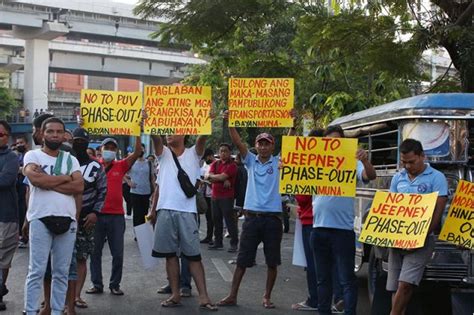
{"type": "Point", "coordinates": [111, 227]}
{"type": "Point", "coordinates": [335, 247]}
{"type": "Point", "coordinates": [185, 275]}
{"type": "Point", "coordinates": [42, 243]}
{"type": "Point", "coordinates": [311, 278]}
{"type": "Point", "coordinates": [223, 209]}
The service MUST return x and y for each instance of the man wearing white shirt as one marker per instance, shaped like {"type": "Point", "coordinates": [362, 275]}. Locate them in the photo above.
{"type": "Point", "coordinates": [55, 181]}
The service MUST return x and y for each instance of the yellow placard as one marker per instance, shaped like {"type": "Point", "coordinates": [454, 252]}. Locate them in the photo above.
{"type": "Point", "coordinates": [318, 166]}
{"type": "Point", "coordinates": [398, 220]}
{"type": "Point", "coordinates": [111, 113]}
{"type": "Point", "coordinates": [178, 110]}
{"type": "Point", "coordinates": [261, 102]}
{"type": "Point", "coordinates": [458, 227]}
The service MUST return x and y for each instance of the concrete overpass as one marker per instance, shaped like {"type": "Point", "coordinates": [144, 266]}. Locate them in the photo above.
{"type": "Point", "coordinates": [98, 38]}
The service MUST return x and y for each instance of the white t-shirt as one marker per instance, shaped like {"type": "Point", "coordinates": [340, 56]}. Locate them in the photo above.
{"type": "Point", "coordinates": [172, 196]}
{"type": "Point", "coordinates": [45, 203]}
{"type": "Point", "coordinates": [204, 171]}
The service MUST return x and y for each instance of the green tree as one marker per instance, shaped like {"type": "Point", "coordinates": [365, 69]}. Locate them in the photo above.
{"type": "Point", "coordinates": [7, 102]}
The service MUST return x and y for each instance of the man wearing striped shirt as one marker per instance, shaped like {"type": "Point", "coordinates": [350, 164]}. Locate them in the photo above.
{"type": "Point", "coordinates": [95, 188]}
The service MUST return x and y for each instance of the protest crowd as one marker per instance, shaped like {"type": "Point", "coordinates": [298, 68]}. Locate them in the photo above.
{"type": "Point", "coordinates": [64, 201]}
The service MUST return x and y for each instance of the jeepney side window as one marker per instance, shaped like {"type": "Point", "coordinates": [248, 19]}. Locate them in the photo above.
{"type": "Point", "coordinates": [383, 149]}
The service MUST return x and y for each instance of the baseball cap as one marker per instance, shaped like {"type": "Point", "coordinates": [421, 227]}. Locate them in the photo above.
{"type": "Point", "coordinates": [109, 140]}
{"type": "Point", "coordinates": [265, 136]}
{"type": "Point", "coordinates": [80, 133]}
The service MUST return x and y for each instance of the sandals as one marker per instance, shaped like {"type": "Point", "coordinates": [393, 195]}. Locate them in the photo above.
{"type": "Point", "coordinates": [208, 307]}
{"type": "Point", "coordinates": [80, 303]}
{"type": "Point", "coordinates": [268, 304]}
{"type": "Point", "coordinates": [226, 303]}
{"type": "Point", "coordinates": [170, 303]}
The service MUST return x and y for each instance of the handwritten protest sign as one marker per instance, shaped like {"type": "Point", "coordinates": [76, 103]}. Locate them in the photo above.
{"type": "Point", "coordinates": [111, 113]}
{"type": "Point", "coordinates": [318, 166]}
{"type": "Point", "coordinates": [260, 102]}
{"type": "Point", "coordinates": [458, 228]}
{"type": "Point", "coordinates": [398, 220]}
{"type": "Point", "coordinates": [178, 110]}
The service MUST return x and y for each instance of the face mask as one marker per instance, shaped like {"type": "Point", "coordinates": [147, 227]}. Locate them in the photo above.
{"type": "Point", "coordinates": [142, 154]}
{"type": "Point", "coordinates": [67, 144]}
{"type": "Point", "coordinates": [208, 162]}
{"type": "Point", "coordinates": [108, 156]}
{"type": "Point", "coordinates": [80, 148]}
{"type": "Point", "coordinates": [21, 148]}
{"type": "Point", "coordinates": [52, 145]}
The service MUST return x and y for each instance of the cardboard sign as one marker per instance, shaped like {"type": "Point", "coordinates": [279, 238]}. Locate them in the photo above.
{"type": "Point", "coordinates": [318, 166]}
{"type": "Point", "coordinates": [111, 113]}
{"type": "Point", "coordinates": [261, 102]}
{"type": "Point", "coordinates": [458, 227]}
{"type": "Point", "coordinates": [399, 220]}
{"type": "Point", "coordinates": [178, 110]}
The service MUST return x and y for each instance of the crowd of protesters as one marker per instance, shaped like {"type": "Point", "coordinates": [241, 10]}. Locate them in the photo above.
{"type": "Point", "coordinates": [66, 201]}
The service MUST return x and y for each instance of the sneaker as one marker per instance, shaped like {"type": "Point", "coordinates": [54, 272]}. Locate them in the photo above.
{"type": "Point", "coordinates": [166, 289]}
{"type": "Point", "coordinates": [205, 241]}
{"type": "Point", "coordinates": [185, 292]}
{"type": "Point", "coordinates": [227, 235]}
{"type": "Point", "coordinates": [216, 247]}
{"type": "Point", "coordinates": [233, 249]}
{"type": "Point", "coordinates": [302, 306]}
{"type": "Point", "coordinates": [22, 244]}
{"type": "Point", "coordinates": [3, 307]}
{"type": "Point", "coordinates": [338, 307]}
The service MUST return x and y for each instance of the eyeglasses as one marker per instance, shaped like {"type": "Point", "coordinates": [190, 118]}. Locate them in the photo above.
{"type": "Point", "coordinates": [3, 134]}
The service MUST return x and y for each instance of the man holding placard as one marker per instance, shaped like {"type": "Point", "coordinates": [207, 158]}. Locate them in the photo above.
{"type": "Point", "coordinates": [176, 229]}
{"type": "Point", "coordinates": [333, 237]}
{"type": "Point", "coordinates": [406, 267]}
{"type": "Point", "coordinates": [262, 209]}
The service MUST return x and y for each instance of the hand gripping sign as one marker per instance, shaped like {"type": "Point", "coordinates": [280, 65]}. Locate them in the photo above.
{"type": "Point", "coordinates": [458, 227]}
{"type": "Point", "coordinates": [318, 166]}
{"type": "Point", "coordinates": [111, 113]}
{"type": "Point", "coordinates": [399, 220]}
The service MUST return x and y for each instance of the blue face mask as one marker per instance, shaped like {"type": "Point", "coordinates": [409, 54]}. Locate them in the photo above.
{"type": "Point", "coordinates": [109, 156]}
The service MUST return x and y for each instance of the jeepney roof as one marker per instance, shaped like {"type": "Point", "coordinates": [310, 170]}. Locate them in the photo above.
{"type": "Point", "coordinates": [442, 105]}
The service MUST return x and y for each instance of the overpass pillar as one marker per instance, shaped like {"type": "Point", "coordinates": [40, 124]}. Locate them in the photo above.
{"type": "Point", "coordinates": [36, 74]}
{"type": "Point", "coordinates": [37, 61]}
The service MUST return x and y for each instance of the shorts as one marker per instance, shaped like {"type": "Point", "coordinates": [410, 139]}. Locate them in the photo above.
{"type": "Point", "coordinates": [84, 242]}
{"type": "Point", "coordinates": [408, 265]}
{"type": "Point", "coordinates": [256, 229]}
{"type": "Point", "coordinates": [8, 243]}
{"type": "Point", "coordinates": [176, 232]}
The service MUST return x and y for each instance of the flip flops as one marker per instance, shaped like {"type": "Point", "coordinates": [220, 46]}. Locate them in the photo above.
{"type": "Point", "coordinates": [208, 307]}
{"type": "Point", "coordinates": [80, 303]}
{"type": "Point", "coordinates": [226, 303]}
{"type": "Point", "coordinates": [170, 303]}
{"type": "Point", "coordinates": [268, 304]}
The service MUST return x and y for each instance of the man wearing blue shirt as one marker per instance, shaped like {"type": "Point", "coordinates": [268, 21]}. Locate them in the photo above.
{"type": "Point", "coordinates": [405, 267]}
{"type": "Point", "coordinates": [333, 237]}
{"type": "Point", "coordinates": [262, 208]}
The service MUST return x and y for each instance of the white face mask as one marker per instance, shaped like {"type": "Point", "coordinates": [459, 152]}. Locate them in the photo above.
{"type": "Point", "coordinates": [109, 156]}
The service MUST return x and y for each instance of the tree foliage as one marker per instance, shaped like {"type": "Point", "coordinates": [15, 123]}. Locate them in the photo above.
{"type": "Point", "coordinates": [362, 54]}
{"type": "Point", "coordinates": [7, 102]}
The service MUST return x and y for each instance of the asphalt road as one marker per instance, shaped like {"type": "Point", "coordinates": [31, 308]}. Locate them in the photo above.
{"type": "Point", "coordinates": [140, 286]}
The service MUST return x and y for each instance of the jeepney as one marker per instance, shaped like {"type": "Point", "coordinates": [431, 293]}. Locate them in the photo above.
{"type": "Point", "coordinates": [444, 123]}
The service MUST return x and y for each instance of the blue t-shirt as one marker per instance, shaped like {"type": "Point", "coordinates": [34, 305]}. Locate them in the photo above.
{"type": "Point", "coordinates": [333, 211]}
{"type": "Point", "coordinates": [262, 193]}
{"type": "Point", "coordinates": [430, 180]}
{"type": "Point", "coordinates": [140, 176]}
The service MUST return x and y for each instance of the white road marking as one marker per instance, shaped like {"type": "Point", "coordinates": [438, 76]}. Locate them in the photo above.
{"type": "Point", "coordinates": [222, 268]}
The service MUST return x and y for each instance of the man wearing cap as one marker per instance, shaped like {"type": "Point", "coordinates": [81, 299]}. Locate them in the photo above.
{"type": "Point", "coordinates": [111, 221]}
{"type": "Point", "coordinates": [262, 209]}
{"type": "Point", "coordinates": [93, 197]}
